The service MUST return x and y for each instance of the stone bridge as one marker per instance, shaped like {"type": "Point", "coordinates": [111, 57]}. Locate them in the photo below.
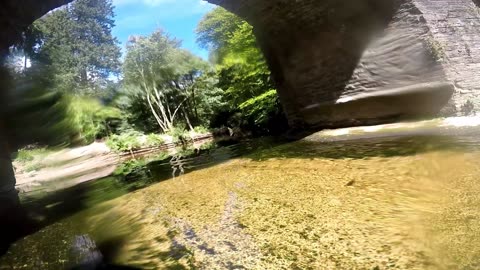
{"type": "Point", "coordinates": [343, 62]}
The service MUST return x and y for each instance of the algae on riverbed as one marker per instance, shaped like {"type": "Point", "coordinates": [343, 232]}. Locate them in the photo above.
{"type": "Point", "coordinates": [355, 205]}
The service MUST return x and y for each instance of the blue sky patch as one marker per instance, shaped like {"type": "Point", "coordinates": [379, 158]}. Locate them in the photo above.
{"type": "Point", "coordinates": [179, 18]}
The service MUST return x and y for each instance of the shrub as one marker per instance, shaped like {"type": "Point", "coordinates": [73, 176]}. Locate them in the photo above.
{"type": "Point", "coordinates": [130, 166]}
{"type": "Point", "coordinates": [208, 145]}
{"type": "Point", "coordinates": [179, 135]}
{"type": "Point", "coordinates": [436, 49]}
{"type": "Point", "coordinates": [154, 140]}
{"type": "Point", "coordinates": [264, 113]}
{"type": "Point", "coordinates": [92, 119]}
{"type": "Point", "coordinates": [133, 171]}
{"type": "Point", "coordinates": [125, 142]}
{"type": "Point", "coordinates": [201, 130]}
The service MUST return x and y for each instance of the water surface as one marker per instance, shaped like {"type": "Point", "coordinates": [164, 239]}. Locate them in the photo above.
{"type": "Point", "coordinates": [407, 202]}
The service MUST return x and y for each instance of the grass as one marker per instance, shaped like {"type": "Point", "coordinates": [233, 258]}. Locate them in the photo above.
{"type": "Point", "coordinates": [32, 159]}
{"type": "Point", "coordinates": [33, 167]}
{"type": "Point", "coordinates": [27, 155]}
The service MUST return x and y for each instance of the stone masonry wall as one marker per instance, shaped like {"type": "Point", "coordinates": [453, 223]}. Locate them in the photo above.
{"type": "Point", "coordinates": [455, 25]}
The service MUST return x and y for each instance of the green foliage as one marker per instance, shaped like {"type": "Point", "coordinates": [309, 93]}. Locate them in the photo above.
{"type": "Point", "coordinates": [241, 67]}
{"type": "Point", "coordinates": [32, 159]}
{"type": "Point", "coordinates": [179, 135]}
{"type": "Point", "coordinates": [77, 42]}
{"type": "Point", "coordinates": [206, 98]}
{"type": "Point", "coordinates": [201, 130]}
{"type": "Point", "coordinates": [154, 140]}
{"type": "Point", "coordinates": [91, 118]}
{"type": "Point", "coordinates": [185, 151]}
{"type": "Point", "coordinates": [137, 170]}
{"type": "Point", "coordinates": [170, 83]}
{"type": "Point", "coordinates": [242, 74]}
{"type": "Point", "coordinates": [208, 146]}
{"type": "Point", "coordinates": [242, 82]}
{"type": "Point", "coordinates": [215, 30]}
{"type": "Point", "coordinates": [127, 141]}
{"type": "Point", "coordinates": [133, 140]}
{"type": "Point", "coordinates": [436, 49]}
{"type": "Point", "coordinates": [27, 155]}
{"type": "Point", "coordinates": [31, 112]}
{"type": "Point", "coordinates": [261, 107]}
{"type": "Point", "coordinates": [137, 114]}
{"type": "Point", "coordinates": [264, 113]}
{"type": "Point", "coordinates": [33, 167]}
{"type": "Point", "coordinates": [130, 166]}
{"type": "Point", "coordinates": [24, 156]}
{"type": "Point", "coordinates": [243, 71]}
{"type": "Point", "coordinates": [134, 170]}
{"type": "Point", "coordinates": [167, 85]}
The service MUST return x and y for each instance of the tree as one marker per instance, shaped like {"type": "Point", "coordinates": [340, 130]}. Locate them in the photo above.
{"type": "Point", "coordinates": [242, 70]}
{"type": "Point", "coordinates": [77, 42]}
{"type": "Point", "coordinates": [168, 79]}
{"type": "Point", "coordinates": [215, 30]}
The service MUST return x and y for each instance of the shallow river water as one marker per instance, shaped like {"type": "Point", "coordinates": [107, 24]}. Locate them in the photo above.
{"type": "Point", "coordinates": [396, 202]}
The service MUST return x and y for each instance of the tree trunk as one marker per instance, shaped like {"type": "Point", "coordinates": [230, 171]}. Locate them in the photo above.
{"type": "Point", "coordinates": [187, 119]}
{"type": "Point", "coordinates": [84, 77]}
{"type": "Point", "coordinates": [195, 104]}
{"type": "Point", "coordinates": [166, 120]}
{"type": "Point", "coordinates": [159, 121]}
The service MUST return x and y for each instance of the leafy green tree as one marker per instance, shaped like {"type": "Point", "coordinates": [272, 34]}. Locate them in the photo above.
{"type": "Point", "coordinates": [166, 79]}
{"type": "Point", "coordinates": [91, 119]}
{"type": "Point", "coordinates": [242, 70]}
{"type": "Point", "coordinates": [207, 97]}
{"type": "Point", "coordinates": [215, 30]}
{"type": "Point", "coordinates": [77, 42]}
{"type": "Point", "coordinates": [241, 67]}
{"type": "Point", "coordinates": [72, 52]}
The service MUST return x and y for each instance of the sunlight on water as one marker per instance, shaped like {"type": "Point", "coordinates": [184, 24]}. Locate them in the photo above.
{"type": "Point", "coordinates": [385, 203]}
{"type": "Point", "coordinates": [445, 126]}
{"type": "Point", "coordinates": [462, 121]}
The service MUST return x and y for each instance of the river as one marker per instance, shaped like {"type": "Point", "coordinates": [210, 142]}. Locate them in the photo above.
{"type": "Point", "coordinates": [365, 202]}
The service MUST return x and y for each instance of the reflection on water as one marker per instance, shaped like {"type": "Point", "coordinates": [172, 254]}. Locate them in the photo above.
{"type": "Point", "coordinates": [385, 203]}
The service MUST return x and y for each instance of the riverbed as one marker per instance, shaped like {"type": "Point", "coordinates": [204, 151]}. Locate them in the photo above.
{"type": "Point", "coordinates": [367, 202]}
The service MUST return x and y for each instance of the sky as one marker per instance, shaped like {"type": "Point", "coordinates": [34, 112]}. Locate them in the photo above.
{"type": "Point", "coordinates": [179, 18]}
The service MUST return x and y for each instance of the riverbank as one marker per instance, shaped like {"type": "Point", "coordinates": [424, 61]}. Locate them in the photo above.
{"type": "Point", "coordinates": [56, 170]}
{"type": "Point", "coordinates": [69, 167]}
